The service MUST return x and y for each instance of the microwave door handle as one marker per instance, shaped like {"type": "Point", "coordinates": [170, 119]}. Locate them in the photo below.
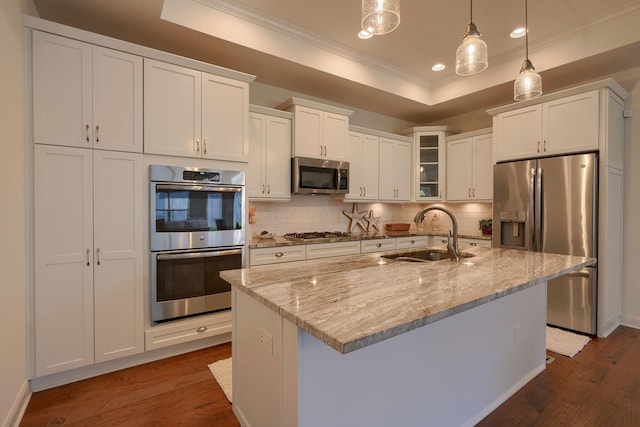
{"type": "Point", "coordinates": [204, 254]}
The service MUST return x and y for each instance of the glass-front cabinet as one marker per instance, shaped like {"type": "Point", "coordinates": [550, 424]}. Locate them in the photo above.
{"type": "Point", "coordinates": [429, 171]}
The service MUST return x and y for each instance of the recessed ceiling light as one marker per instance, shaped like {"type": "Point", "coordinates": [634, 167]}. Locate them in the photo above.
{"type": "Point", "coordinates": [517, 33]}
{"type": "Point", "coordinates": [364, 34]}
{"type": "Point", "coordinates": [438, 67]}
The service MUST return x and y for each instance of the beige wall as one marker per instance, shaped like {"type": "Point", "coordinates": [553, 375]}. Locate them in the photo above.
{"type": "Point", "coordinates": [13, 215]}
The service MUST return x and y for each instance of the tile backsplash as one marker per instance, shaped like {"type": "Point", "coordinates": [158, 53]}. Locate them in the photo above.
{"type": "Point", "coordinates": [323, 213]}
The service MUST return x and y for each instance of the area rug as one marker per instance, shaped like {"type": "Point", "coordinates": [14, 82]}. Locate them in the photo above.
{"type": "Point", "coordinates": [221, 371]}
{"type": "Point", "coordinates": [565, 343]}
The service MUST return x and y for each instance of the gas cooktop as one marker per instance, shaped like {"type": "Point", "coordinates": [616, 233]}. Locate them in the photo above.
{"type": "Point", "coordinates": [314, 235]}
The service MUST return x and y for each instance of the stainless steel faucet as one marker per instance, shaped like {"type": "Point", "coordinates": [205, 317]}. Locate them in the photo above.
{"type": "Point", "coordinates": [453, 249]}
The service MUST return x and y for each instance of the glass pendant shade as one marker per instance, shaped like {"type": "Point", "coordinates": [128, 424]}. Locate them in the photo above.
{"type": "Point", "coordinates": [528, 85]}
{"type": "Point", "coordinates": [471, 56]}
{"type": "Point", "coordinates": [380, 16]}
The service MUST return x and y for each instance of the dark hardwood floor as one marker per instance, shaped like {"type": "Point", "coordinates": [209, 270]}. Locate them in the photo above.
{"type": "Point", "coordinates": [598, 387]}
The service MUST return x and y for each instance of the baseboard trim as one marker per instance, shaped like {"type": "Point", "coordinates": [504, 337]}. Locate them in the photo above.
{"type": "Point", "coordinates": [19, 406]}
{"type": "Point", "coordinates": [630, 321]}
{"type": "Point", "coordinates": [62, 378]}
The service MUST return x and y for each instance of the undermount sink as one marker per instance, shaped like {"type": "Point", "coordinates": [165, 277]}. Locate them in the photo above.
{"type": "Point", "coordinates": [424, 256]}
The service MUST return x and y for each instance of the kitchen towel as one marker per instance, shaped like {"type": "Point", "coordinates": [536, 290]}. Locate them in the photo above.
{"type": "Point", "coordinates": [221, 371]}
{"type": "Point", "coordinates": [565, 343]}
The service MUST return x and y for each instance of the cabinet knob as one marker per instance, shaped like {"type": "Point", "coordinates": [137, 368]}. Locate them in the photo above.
{"type": "Point", "coordinates": [473, 244]}
{"type": "Point", "coordinates": [379, 245]}
{"type": "Point", "coordinates": [201, 329]}
{"type": "Point", "coordinates": [413, 242]}
{"type": "Point", "coordinates": [279, 254]}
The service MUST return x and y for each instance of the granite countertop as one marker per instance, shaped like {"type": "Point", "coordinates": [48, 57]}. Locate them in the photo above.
{"type": "Point", "coordinates": [351, 302]}
{"type": "Point", "coordinates": [281, 241]}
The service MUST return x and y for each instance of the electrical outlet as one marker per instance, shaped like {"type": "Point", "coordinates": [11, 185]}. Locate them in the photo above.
{"type": "Point", "coordinates": [266, 340]}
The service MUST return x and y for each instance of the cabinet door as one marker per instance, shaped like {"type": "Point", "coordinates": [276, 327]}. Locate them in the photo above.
{"type": "Point", "coordinates": [63, 259]}
{"type": "Point", "coordinates": [460, 169]}
{"type": "Point", "coordinates": [61, 91]}
{"type": "Point", "coordinates": [255, 173]}
{"type": "Point", "coordinates": [431, 166]}
{"type": "Point", "coordinates": [402, 170]}
{"type": "Point", "coordinates": [395, 170]}
{"type": "Point", "coordinates": [172, 109]}
{"type": "Point", "coordinates": [571, 124]}
{"type": "Point", "coordinates": [519, 133]}
{"type": "Point", "coordinates": [369, 167]}
{"type": "Point", "coordinates": [482, 167]}
{"type": "Point", "coordinates": [117, 100]}
{"type": "Point", "coordinates": [334, 135]}
{"type": "Point", "coordinates": [277, 157]}
{"type": "Point", "coordinates": [354, 157]}
{"type": "Point", "coordinates": [307, 132]}
{"type": "Point", "coordinates": [386, 183]}
{"type": "Point", "coordinates": [118, 269]}
{"type": "Point", "coordinates": [225, 118]}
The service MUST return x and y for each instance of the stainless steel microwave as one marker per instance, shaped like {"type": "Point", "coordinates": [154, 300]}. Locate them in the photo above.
{"type": "Point", "coordinates": [318, 176]}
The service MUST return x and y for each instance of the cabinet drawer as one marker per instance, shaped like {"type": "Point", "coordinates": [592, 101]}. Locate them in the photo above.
{"type": "Point", "coordinates": [412, 242]}
{"type": "Point", "coordinates": [263, 256]}
{"type": "Point", "coordinates": [326, 250]}
{"type": "Point", "coordinates": [464, 243]}
{"type": "Point", "coordinates": [188, 330]}
{"type": "Point", "coordinates": [377, 245]}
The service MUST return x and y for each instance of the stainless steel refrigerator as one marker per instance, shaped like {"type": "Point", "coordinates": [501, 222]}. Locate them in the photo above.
{"type": "Point", "coordinates": [550, 205]}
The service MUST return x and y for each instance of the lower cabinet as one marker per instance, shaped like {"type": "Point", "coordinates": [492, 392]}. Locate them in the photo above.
{"type": "Point", "coordinates": [413, 242]}
{"type": "Point", "coordinates": [199, 327]}
{"type": "Point", "coordinates": [262, 256]}
{"type": "Point", "coordinates": [377, 245]}
{"type": "Point", "coordinates": [326, 250]}
{"type": "Point", "coordinates": [88, 283]}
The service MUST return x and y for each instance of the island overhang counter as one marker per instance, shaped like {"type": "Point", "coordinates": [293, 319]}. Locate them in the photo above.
{"type": "Point", "coordinates": [363, 340]}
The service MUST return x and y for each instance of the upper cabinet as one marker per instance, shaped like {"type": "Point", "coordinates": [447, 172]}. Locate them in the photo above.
{"type": "Point", "coordinates": [319, 131]}
{"type": "Point", "coordinates": [394, 182]}
{"type": "Point", "coordinates": [470, 166]}
{"type": "Point", "coordinates": [362, 155]}
{"type": "Point", "coordinates": [191, 113]}
{"type": "Point", "coordinates": [558, 126]}
{"type": "Point", "coordinates": [429, 168]}
{"type": "Point", "coordinates": [85, 95]}
{"type": "Point", "coordinates": [269, 171]}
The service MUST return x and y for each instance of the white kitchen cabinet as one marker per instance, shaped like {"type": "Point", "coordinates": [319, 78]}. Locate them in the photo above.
{"type": "Point", "coordinates": [413, 242]}
{"type": "Point", "coordinates": [319, 131]}
{"type": "Point", "coordinates": [377, 245]}
{"type": "Point", "coordinates": [85, 95]}
{"type": "Point", "coordinates": [394, 182]}
{"type": "Point", "coordinates": [190, 113]}
{"type": "Point", "coordinates": [464, 242]}
{"type": "Point", "coordinates": [429, 162]}
{"type": "Point", "coordinates": [269, 171]}
{"type": "Point", "coordinates": [470, 166]}
{"type": "Point", "coordinates": [276, 255]}
{"type": "Point", "coordinates": [558, 126]}
{"type": "Point", "coordinates": [191, 329]}
{"type": "Point", "coordinates": [88, 292]}
{"type": "Point", "coordinates": [363, 158]}
{"type": "Point", "coordinates": [326, 250]}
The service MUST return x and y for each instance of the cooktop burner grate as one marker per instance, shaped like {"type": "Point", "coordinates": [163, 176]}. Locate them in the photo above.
{"type": "Point", "coordinates": [310, 235]}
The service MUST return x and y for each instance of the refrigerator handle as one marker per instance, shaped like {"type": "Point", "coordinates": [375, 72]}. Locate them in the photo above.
{"type": "Point", "coordinates": [538, 209]}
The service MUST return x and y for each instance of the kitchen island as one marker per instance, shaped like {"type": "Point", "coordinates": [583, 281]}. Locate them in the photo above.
{"type": "Point", "coordinates": [364, 340]}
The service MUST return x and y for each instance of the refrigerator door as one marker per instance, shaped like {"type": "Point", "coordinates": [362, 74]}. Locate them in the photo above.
{"type": "Point", "coordinates": [568, 200]}
{"type": "Point", "coordinates": [513, 218]}
{"type": "Point", "coordinates": [571, 301]}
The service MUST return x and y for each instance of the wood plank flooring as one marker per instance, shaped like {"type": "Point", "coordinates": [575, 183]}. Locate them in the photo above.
{"type": "Point", "coordinates": [598, 387]}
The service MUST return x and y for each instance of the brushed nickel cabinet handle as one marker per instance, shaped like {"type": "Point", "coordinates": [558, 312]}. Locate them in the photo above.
{"type": "Point", "coordinates": [98, 256]}
{"type": "Point", "coordinates": [88, 259]}
{"type": "Point", "coordinates": [201, 329]}
{"type": "Point", "coordinates": [469, 192]}
{"type": "Point", "coordinates": [538, 146]}
{"type": "Point", "coordinates": [279, 254]}
{"type": "Point", "coordinates": [473, 193]}
{"type": "Point", "coordinates": [379, 245]}
{"type": "Point", "coordinates": [268, 188]}
{"type": "Point", "coordinates": [86, 133]}
{"type": "Point", "coordinates": [204, 145]}
{"type": "Point", "coordinates": [544, 145]}
{"type": "Point", "coordinates": [197, 145]}
{"type": "Point", "coordinates": [262, 188]}
{"type": "Point", "coordinates": [97, 134]}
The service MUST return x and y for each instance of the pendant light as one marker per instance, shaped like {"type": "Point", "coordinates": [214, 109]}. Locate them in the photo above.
{"type": "Point", "coordinates": [471, 56]}
{"type": "Point", "coordinates": [528, 85]}
{"type": "Point", "coordinates": [380, 16]}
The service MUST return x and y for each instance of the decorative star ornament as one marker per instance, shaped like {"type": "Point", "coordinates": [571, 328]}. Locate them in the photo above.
{"type": "Point", "coordinates": [357, 218]}
{"type": "Point", "coordinates": [372, 221]}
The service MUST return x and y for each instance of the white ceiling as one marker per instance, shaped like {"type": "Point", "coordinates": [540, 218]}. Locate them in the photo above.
{"type": "Point", "coordinates": [311, 47]}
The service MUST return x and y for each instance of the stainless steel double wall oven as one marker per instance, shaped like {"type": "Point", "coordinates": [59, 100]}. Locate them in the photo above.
{"type": "Point", "coordinates": [196, 230]}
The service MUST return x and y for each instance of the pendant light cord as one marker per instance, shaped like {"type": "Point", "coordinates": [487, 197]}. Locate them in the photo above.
{"type": "Point", "coordinates": [526, 31]}
{"type": "Point", "coordinates": [471, 11]}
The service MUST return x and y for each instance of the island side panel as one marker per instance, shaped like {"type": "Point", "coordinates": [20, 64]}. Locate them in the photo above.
{"type": "Point", "coordinates": [450, 373]}
{"type": "Point", "coordinates": [257, 355]}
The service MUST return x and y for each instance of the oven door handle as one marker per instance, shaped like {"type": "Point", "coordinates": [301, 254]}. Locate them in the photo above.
{"type": "Point", "coordinates": [191, 187]}
{"type": "Point", "coordinates": [202, 254]}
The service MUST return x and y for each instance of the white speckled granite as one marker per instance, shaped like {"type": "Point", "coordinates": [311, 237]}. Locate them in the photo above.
{"type": "Point", "coordinates": [355, 301]}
